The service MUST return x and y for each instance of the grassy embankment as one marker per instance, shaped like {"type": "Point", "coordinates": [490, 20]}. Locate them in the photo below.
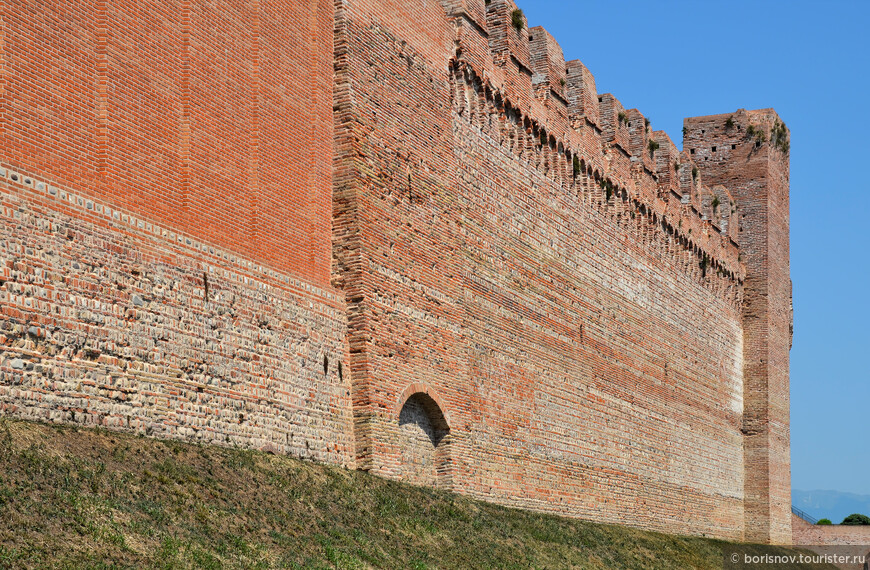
{"type": "Point", "coordinates": [81, 498]}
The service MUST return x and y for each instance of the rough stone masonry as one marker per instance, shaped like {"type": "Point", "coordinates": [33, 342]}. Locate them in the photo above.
{"type": "Point", "coordinates": [400, 236]}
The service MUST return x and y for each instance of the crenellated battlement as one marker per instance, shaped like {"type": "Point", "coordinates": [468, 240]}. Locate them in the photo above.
{"type": "Point", "coordinates": [557, 115]}
{"type": "Point", "coordinates": [582, 97]}
{"type": "Point", "coordinates": [548, 63]}
{"type": "Point", "coordinates": [720, 139]}
{"type": "Point", "coordinates": [667, 163]}
{"type": "Point", "coordinates": [699, 245]}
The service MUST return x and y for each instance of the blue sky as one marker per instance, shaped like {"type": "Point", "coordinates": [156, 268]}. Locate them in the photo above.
{"type": "Point", "coordinates": [811, 62]}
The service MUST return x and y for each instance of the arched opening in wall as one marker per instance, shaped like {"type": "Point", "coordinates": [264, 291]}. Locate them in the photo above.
{"type": "Point", "coordinates": [424, 439]}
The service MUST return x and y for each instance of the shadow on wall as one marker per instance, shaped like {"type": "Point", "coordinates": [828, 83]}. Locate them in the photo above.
{"type": "Point", "coordinates": [424, 442]}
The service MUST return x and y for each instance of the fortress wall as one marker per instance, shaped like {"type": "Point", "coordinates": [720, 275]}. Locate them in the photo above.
{"type": "Point", "coordinates": [603, 378]}
{"type": "Point", "coordinates": [509, 290]}
{"type": "Point", "coordinates": [166, 222]}
{"type": "Point", "coordinates": [834, 540]}
{"type": "Point", "coordinates": [393, 176]}
{"type": "Point", "coordinates": [582, 333]}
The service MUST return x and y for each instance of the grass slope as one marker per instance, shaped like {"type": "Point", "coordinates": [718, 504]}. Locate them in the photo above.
{"type": "Point", "coordinates": [81, 498]}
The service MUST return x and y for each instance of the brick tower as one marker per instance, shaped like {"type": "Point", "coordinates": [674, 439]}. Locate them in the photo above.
{"type": "Point", "coordinates": [748, 152]}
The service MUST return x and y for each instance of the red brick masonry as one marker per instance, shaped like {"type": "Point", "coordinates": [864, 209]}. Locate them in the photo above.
{"type": "Point", "coordinates": [402, 236]}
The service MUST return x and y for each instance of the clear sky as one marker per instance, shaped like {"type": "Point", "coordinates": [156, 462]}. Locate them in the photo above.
{"type": "Point", "coordinates": [811, 62]}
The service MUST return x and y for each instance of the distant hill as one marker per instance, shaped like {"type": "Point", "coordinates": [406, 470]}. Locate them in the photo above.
{"type": "Point", "coordinates": [832, 505]}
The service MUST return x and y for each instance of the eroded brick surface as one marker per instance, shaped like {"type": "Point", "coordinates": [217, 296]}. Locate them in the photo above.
{"type": "Point", "coordinates": [104, 324]}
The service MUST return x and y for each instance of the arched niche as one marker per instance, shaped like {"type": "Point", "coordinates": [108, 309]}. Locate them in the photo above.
{"type": "Point", "coordinates": [423, 440]}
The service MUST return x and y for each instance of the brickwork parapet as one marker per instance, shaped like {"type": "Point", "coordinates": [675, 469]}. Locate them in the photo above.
{"type": "Point", "coordinates": [667, 211]}
{"type": "Point", "coordinates": [522, 71]}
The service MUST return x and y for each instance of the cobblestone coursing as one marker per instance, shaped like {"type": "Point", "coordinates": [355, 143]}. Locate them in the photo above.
{"type": "Point", "coordinates": [105, 324]}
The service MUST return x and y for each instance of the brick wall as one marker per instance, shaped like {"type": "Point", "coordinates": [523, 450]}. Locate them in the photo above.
{"type": "Point", "coordinates": [514, 244]}
{"type": "Point", "coordinates": [839, 540]}
{"type": "Point", "coordinates": [805, 533]}
{"type": "Point", "coordinates": [514, 287]}
{"type": "Point", "coordinates": [166, 222]}
{"type": "Point", "coordinates": [212, 117]}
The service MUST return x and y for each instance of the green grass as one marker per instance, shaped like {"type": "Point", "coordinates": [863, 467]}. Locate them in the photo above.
{"type": "Point", "coordinates": [80, 498]}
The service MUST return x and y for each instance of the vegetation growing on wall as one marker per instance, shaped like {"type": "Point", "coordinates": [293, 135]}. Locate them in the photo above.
{"type": "Point", "coordinates": [517, 19]}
